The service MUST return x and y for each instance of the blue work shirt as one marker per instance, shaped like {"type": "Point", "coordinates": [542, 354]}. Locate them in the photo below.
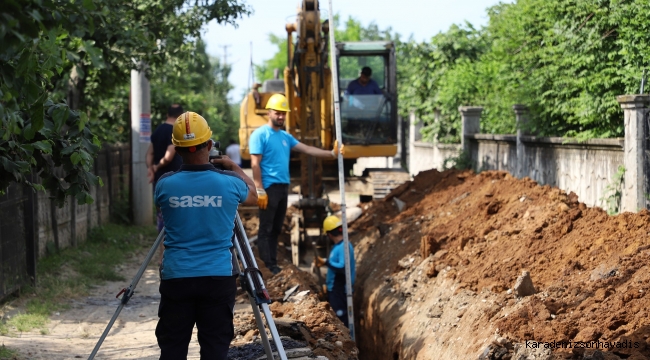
{"type": "Point", "coordinates": [371, 88]}
{"type": "Point", "coordinates": [275, 147]}
{"type": "Point", "coordinates": [336, 268]}
{"type": "Point", "coordinates": [199, 204]}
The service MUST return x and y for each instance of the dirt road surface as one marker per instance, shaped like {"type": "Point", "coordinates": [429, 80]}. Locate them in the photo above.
{"type": "Point", "coordinates": [73, 333]}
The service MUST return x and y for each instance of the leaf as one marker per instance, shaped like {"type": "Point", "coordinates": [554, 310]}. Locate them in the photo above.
{"type": "Point", "coordinates": [83, 119]}
{"type": "Point", "coordinates": [37, 114]}
{"type": "Point", "coordinates": [9, 165]}
{"type": "Point", "coordinates": [68, 150]}
{"type": "Point", "coordinates": [60, 115]}
{"type": "Point", "coordinates": [89, 4]}
{"type": "Point", "coordinates": [94, 53]}
{"type": "Point", "coordinates": [75, 158]}
{"type": "Point", "coordinates": [44, 146]}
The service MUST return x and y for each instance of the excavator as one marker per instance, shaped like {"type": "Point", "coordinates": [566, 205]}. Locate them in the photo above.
{"type": "Point", "coordinates": [368, 121]}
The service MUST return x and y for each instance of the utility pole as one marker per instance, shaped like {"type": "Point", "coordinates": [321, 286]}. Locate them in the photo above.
{"type": "Point", "coordinates": [225, 54]}
{"type": "Point", "coordinates": [141, 191]}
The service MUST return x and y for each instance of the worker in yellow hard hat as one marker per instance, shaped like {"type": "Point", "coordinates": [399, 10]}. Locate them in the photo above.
{"type": "Point", "coordinates": [335, 281]}
{"type": "Point", "coordinates": [270, 146]}
{"type": "Point", "coordinates": [198, 204]}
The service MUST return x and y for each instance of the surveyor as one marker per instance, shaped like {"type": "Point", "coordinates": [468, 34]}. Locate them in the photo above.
{"type": "Point", "coordinates": [161, 155]}
{"type": "Point", "coordinates": [364, 85]}
{"type": "Point", "coordinates": [270, 146]}
{"type": "Point", "coordinates": [199, 205]}
{"type": "Point", "coordinates": [335, 281]}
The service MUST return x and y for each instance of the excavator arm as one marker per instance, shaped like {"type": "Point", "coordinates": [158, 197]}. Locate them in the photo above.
{"type": "Point", "coordinates": [308, 89]}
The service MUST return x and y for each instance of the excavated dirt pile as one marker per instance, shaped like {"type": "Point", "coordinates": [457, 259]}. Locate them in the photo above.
{"type": "Point", "coordinates": [488, 266]}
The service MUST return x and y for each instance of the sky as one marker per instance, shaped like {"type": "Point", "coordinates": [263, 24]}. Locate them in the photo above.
{"type": "Point", "coordinates": [420, 18]}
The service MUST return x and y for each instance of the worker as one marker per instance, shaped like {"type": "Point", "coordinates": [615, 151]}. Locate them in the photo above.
{"type": "Point", "coordinates": [256, 95]}
{"type": "Point", "coordinates": [199, 204]}
{"type": "Point", "coordinates": [232, 151]}
{"type": "Point", "coordinates": [336, 294]}
{"type": "Point", "coordinates": [364, 85]}
{"type": "Point", "coordinates": [161, 156]}
{"type": "Point", "coordinates": [270, 147]}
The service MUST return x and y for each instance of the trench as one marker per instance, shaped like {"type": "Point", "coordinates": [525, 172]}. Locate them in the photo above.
{"type": "Point", "coordinates": [441, 278]}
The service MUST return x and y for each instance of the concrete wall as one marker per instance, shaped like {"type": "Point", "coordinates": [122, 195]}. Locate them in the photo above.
{"type": "Point", "coordinates": [585, 168]}
{"type": "Point", "coordinates": [31, 225]}
{"type": "Point", "coordinates": [424, 156]}
{"type": "Point", "coordinates": [58, 228]}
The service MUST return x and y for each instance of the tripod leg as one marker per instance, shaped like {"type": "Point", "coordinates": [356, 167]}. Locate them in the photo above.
{"type": "Point", "coordinates": [248, 260]}
{"type": "Point", "coordinates": [105, 333]}
{"type": "Point", "coordinates": [274, 332]}
{"type": "Point", "coordinates": [129, 292]}
{"type": "Point", "coordinates": [260, 327]}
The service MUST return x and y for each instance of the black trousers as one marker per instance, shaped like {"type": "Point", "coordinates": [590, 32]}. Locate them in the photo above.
{"type": "Point", "coordinates": [339, 303]}
{"type": "Point", "coordinates": [271, 220]}
{"type": "Point", "coordinates": [207, 302]}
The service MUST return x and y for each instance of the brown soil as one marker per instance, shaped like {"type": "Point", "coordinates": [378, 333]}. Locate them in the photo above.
{"type": "Point", "coordinates": [319, 326]}
{"type": "Point", "coordinates": [479, 232]}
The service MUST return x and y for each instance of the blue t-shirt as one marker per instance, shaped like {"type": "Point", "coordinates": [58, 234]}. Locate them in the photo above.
{"type": "Point", "coordinates": [336, 267]}
{"type": "Point", "coordinates": [275, 147]}
{"type": "Point", "coordinates": [371, 88]}
{"type": "Point", "coordinates": [199, 204]}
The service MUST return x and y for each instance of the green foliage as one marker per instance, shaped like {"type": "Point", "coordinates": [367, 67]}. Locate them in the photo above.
{"type": "Point", "coordinates": [611, 200]}
{"type": "Point", "coordinates": [65, 69]}
{"type": "Point", "coordinates": [461, 162]}
{"type": "Point", "coordinates": [352, 30]}
{"type": "Point", "coordinates": [278, 61]}
{"type": "Point", "coordinates": [73, 271]}
{"type": "Point", "coordinates": [203, 88]}
{"type": "Point", "coordinates": [567, 60]}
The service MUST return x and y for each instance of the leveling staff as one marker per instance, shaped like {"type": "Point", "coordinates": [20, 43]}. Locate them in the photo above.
{"type": "Point", "coordinates": [199, 204]}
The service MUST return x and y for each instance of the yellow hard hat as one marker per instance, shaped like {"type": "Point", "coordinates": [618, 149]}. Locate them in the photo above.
{"type": "Point", "coordinates": [278, 102]}
{"type": "Point", "coordinates": [190, 129]}
{"type": "Point", "coordinates": [331, 222]}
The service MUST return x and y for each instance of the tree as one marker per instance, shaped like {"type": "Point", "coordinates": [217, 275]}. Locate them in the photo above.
{"type": "Point", "coordinates": [352, 30]}
{"type": "Point", "coordinates": [64, 67]}
{"type": "Point", "coordinates": [203, 88]}
{"type": "Point", "coordinates": [278, 61]}
{"type": "Point", "coordinates": [567, 60]}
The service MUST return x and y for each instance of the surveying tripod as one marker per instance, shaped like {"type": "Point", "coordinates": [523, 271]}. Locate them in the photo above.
{"type": "Point", "coordinates": [250, 279]}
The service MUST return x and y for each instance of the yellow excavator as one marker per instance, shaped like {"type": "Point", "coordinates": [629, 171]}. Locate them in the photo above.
{"type": "Point", "coordinates": [368, 118]}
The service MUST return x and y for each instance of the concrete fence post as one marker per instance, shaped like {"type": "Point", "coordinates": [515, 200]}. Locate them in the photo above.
{"type": "Point", "coordinates": [521, 113]}
{"type": "Point", "coordinates": [635, 158]}
{"type": "Point", "coordinates": [413, 132]}
{"type": "Point", "coordinates": [471, 122]}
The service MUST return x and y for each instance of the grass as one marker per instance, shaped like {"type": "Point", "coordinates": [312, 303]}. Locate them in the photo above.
{"type": "Point", "coordinates": [6, 353]}
{"type": "Point", "coordinates": [74, 271]}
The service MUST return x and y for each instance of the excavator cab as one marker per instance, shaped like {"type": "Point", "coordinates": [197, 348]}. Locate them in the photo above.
{"type": "Point", "coordinates": [368, 111]}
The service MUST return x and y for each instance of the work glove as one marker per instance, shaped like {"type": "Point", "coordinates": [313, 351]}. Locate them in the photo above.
{"type": "Point", "coordinates": [336, 150]}
{"type": "Point", "coordinates": [262, 199]}
{"type": "Point", "coordinates": [319, 261]}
